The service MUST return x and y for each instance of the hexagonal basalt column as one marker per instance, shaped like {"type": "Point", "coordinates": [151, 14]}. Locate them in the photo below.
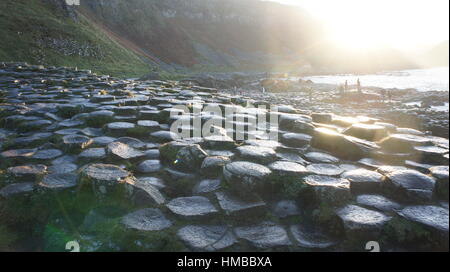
{"type": "Point", "coordinates": [105, 178]}
{"type": "Point", "coordinates": [246, 177]}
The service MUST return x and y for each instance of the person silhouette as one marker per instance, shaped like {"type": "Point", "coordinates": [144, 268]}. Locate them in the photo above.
{"type": "Point", "coordinates": [358, 85]}
{"type": "Point", "coordinates": [389, 93]}
{"type": "Point", "coordinates": [383, 95]}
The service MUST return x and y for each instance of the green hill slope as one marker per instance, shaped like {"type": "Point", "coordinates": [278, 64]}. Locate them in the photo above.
{"type": "Point", "coordinates": [39, 32]}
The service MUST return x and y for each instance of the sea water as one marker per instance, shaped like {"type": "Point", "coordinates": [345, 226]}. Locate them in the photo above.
{"type": "Point", "coordinates": [432, 79]}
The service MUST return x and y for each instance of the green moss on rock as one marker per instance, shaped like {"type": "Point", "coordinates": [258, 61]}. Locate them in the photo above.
{"type": "Point", "coordinates": [409, 234]}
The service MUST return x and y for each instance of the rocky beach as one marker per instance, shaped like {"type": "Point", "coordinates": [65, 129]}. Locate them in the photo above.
{"type": "Point", "coordinates": [425, 111]}
{"type": "Point", "coordinates": [95, 159]}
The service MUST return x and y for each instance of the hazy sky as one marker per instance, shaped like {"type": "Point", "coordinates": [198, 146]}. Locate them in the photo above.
{"type": "Point", "coordinates": [366, 23]}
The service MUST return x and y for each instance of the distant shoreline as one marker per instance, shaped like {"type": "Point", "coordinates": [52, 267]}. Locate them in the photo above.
{"type": "Point", "coordinates": [431, 79]}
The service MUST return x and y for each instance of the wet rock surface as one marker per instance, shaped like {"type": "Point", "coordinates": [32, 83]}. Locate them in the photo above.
{"type": "Point", "coordinates": [58, 181]}
{"type": "Point", "coordinates": [206, 186]}
{"type": "Point", "coordinates": [146, 220]}
{"type": "Point", "coordinates": [77, 141]}
{"type": "Point", "coordinates": [360, 221]}
{"type": "Point", "coordinates": [287, 168]}
{"type": "Point", "coordinates": [207, 238]}
{"type": "Point", "coordinates": [246, 176]}
{"type": "Point", "coordinates": [311, 237]}
{"type": "Point", "coordinates": [105, 172]}
{"type": "Point", "coordinates": [212, 166]}
{"type": "Point", "coordinates": [378, 202]}
{"type": "Point", "coordinates": [265, 235]}
{"type": "Point", "coordinates": [93, 154]}
{"type": "Point", "coordinates": [149, 166]}
{"type": "Point", "coordinates": [195, 206]}
{"type": "Point", "coordinates": [325, 189]}
{"type": "Point", "coordinates": [256, 153]}
{"type": "Point", "coordinates": [235, 206]}
{"type": "Point", "coordinates": [17, 189]}
{"type": "Point", "coordinates": [123, 151]}
{"type": "Point", "coordinates": [32, 172]}
{"type": "Point", "coordinates": [431, 216]}
{"type": "Point", "coordinates": [362, 180]}
{"type": "Point", "coordinates": [47, 154]}
{"type": "Point", "coordinates": [410, 185]}
{"type": "Point", "coordinates": [325, 169]}
{"type": "Point", "coordinates": [317, 181]}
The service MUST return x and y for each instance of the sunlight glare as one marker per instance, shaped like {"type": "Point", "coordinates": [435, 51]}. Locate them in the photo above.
{"type": "Point", "coordinates": [372, 23]}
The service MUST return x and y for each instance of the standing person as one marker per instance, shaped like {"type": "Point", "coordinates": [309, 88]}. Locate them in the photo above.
{"type": "Point", "coordinates": [383, 95]}
{"type": "Point", "coordinates": [389, 93]}
{"type": "Point", "coordinates": [358, 85]}
{"type": "Point", "coordinates": [346, 86]}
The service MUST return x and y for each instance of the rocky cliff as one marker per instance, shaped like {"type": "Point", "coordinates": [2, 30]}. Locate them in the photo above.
{"type": "Point", "coordinates": [191, 33]}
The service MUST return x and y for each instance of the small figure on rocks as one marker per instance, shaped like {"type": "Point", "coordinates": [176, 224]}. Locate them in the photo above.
{"type": "Point", "coordinates": [383, 95]}
{"type": "Point", "coordinates": [358, 85]}
{"type": "Point", "coordinates": [346, 86]}
{"type": "Point", "coordinates": [389, 94]}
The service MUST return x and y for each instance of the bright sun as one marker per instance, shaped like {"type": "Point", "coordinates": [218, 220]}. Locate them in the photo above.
{"type": "Point", "coordinates": [371, 23]}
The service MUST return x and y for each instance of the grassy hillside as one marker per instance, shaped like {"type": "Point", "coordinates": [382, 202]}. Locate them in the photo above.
{"type": "Point", "coordinates": [38, 33]}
